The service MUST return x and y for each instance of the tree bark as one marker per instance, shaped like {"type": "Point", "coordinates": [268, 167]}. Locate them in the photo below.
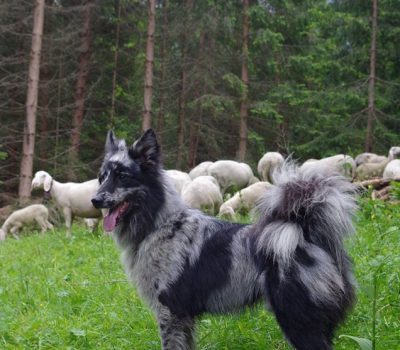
{"type": "Point", "coordinates": [194, 144]}
{"type": "Point", "coordinates": [58, 111]}
{"type": "Point", "coordinates": [183, 87]}
{"type": "Point", "coordinates": [371, 81]}
{"type": "Point", "coordinates": [148, 75]}
{"type": "Point", "coordinates": [31, 103]}
{"type": "Point", "coordinates": [44, 112]}
{"type": "Point", "coordinates": [116, 53]}
{"type": "Point", "coordinates": [243, 131]}
{"type": "Point", "coordinates": [44, 96]}
{"type": "Point", "coordinates": [182, 112]}
{"type": "Point", "coordinates": [81, 83]}
{"type": "Point", "coordinates": [161, 113]}
{"type": "Point", "coordinates": [194, 132]}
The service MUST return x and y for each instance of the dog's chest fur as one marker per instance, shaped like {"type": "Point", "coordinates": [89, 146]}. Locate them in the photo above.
{"type": "Point", "coordinates": [160, 258]}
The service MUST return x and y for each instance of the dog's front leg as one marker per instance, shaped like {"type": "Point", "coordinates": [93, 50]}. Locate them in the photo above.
{"type": "Point", "coordinates": [176, 332]}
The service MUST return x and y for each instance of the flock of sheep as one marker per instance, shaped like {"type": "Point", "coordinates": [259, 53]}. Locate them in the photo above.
{"type": "Point", "coordinates": [204, 187]}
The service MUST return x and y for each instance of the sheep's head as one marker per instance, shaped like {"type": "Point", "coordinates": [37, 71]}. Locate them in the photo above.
{"type": "Point", "coordinates": [43, 180]}
{"type": "Point", "coordinates": [395, 151]}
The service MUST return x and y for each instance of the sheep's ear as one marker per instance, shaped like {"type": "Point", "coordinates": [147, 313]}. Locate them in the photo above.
{"type": "Point", "coordinates": [111, 142]}
{"type": "Point", "coordinates": [47, 183]}
{"type": "Point", "coordinates": [146, 150]}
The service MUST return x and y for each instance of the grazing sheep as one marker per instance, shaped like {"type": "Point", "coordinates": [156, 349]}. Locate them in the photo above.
{"type": "Point", "coordinates": [373, 169]}
{"type": "Point", "coordinates": [231, 174]}
{"type": "Point", "coordinates": [392, 170]}
{"type": "Point", "coordinates": [267, 165]}
{"type": "Point", "coordinates": [367, 171]}
{"type": "Point", "coordinates": [244, 199]}
{"type": "Point", "coordinates": [310, 161]}
{"type": "Point", "coordinates": [178, 178]}
{"type": "Point", "coordinates": [203, 193]}
{"type": "Point", "coordinates": [73, 199]}
{"type": "Point", "coordinates": [200, 170]}
{"type": "Point", "coordinates": [369, 158]}
{"type": "Point", "coordinates": [340, 163]}
{"type": "Point", "coordinates": [32, 213]}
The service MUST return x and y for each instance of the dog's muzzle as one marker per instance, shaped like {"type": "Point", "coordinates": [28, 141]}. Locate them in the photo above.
{"type": "Point", "coordinates": [97, 202]}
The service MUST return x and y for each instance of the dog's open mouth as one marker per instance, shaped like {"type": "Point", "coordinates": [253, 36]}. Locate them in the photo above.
{"type": "Point", "coordinates": [114, 215]}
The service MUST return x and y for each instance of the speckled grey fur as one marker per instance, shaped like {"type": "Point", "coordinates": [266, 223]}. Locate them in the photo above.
{"type": "Point", "coordinates": [298, 238]}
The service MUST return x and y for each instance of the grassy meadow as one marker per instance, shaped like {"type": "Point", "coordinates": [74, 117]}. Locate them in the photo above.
{"type": "Point", "coordinates": [60, 293]}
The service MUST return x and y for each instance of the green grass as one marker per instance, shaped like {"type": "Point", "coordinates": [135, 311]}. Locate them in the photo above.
{"type": "Point", "coordinates": [59, 293]}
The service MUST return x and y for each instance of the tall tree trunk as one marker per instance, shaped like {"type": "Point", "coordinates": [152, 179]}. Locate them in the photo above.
{"type": "Point", "coordinates": [58, 111]}
{"type": "Point", "coordinates": [161, 113]}
{"type": "Point", "coordinates": [81, 83]}
{"type": "Point", "coordinates": [182, 111]}
{"type": "Point", "coordinates": [31, 103]}
{"type": "Point", "coordinates": [44, 96]}
{"type": "Point", "coordinates": [197, 116]}
{"type": "Point", "coordinates": [148, 75]}
{"type": "Point", "coordinates": [194, 143]}
{"type": "Point", "coordinates": [116, 53]}
{"type": "Point", "coordinates": [45, 114]}
{"type": "Point", "coordinates": [182, 93]}
{"type": "Point", "coordinates": [371, 81]}
{"type": "Point", "coordinates": [245, 80]}
{"type": "Point", "coordinates": [283, 127]}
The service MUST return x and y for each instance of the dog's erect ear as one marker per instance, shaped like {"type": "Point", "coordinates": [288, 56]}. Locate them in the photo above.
{"type": "Point", "coordinates": [111, 142]}
{"type": "Point", "coordinates": [146, 150]}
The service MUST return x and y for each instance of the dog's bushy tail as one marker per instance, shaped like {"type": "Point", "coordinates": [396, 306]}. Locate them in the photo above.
{"type": "Point", "coordinates": [303, 221]}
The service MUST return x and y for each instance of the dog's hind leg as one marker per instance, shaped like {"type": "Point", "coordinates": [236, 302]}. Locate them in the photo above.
{"type": "Point", "coordinates": [308, 320]}
{"type": "Point", "coordinates": [176, 333]}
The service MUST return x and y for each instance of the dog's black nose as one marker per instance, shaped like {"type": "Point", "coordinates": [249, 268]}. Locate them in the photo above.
{"type": "Point", "coordinates": [96, 202]}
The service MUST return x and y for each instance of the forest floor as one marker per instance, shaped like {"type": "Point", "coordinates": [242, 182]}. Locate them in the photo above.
{"type": "Point", "coordinates": [60, 293]}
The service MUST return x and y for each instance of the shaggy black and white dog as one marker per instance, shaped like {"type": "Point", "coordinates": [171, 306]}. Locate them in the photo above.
{"type": "Point", "coordinates": [185, 263]}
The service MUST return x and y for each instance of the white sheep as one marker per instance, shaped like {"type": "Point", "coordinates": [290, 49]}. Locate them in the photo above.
{"type": "Point", "coordinates": [340, 163]}
{"type": "Point", "coordinates": [368, 157]}
{"type": "Point", "coordinates": [33, 213]}
{"type": "Point", "coordinates": [73, 199]}
{"type": "Point", "coordinates": [367, 171]}
{"type": "Point", "coordinates": [267, 165]}
{"type": "Point", "coordinates": [178, 179]}
{"type": "Point", "coordinates": [373, 168]}
{"type": "Point", "coordinates": [244, 199]}
{"type": "Point", "coordinates": [231, 174]}
{"type": "Point", "coordinates": [200, 169]}
{"type": "Point", "coordinates": [392, 170]}
{"type": "Point", "coordinates": [203, 193]}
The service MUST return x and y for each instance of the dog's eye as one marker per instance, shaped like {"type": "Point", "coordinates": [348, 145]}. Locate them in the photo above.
{"type": "Point", "coordinates": [122, 176]}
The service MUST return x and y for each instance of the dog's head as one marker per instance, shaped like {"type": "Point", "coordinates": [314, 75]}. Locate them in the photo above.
{"type": "Point", "coordinates": [129, 179]}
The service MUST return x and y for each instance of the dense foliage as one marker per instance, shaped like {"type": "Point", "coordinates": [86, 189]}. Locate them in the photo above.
{"type": "Point", "coordinates": [307, 95]}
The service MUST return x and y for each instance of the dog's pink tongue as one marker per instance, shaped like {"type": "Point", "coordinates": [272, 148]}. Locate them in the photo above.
{"type": "Point", "coordinates": [110, 221]}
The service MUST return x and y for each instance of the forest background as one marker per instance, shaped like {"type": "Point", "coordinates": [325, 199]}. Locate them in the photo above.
{"type": "Point", "coordinates": [216, 79]}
